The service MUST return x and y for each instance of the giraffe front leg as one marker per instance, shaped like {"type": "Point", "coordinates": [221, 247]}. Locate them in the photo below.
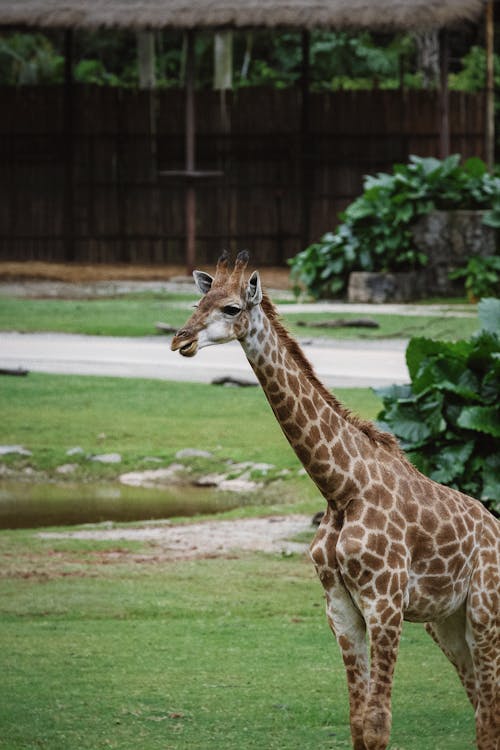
{"type": "Point", "coordinates": [349, 629]}
{"type": "Point", "coordinates": [483, 637]}
{"type": "Point", "coordinates": [384, 628]}
{"type": "Point", "coordinates": [346, 622]}
{"type": "Point", "coordinates": [347, 625]}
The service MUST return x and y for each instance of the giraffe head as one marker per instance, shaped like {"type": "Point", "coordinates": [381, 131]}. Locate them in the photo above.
{"type": "Point", "coordinates": [223, 313]}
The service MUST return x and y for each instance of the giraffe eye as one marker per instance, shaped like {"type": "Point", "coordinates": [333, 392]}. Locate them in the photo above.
{"type": "Point", "coordinates": [231, 310]}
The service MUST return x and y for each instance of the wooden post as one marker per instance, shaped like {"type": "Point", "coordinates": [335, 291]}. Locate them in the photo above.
{"type": "Point", "coordinates": [490, 87]}
{"type": "Point", "coordinates": [444, 98]}
{"type": "Point", "coordinates": [190, 155]}
{"type": "Point", "coordinates": [146, 59]}
{"type": "Point", "coordinates": [69, 147]}
{"type": "Point", "coordinates": [305, 156]}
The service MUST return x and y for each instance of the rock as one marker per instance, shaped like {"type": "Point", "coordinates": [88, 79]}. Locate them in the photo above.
{"type": "Point", "coordinates": [250, 466]}
{"type": "Point", "coordinates": [166, 327]}
{"type": "Point", "coordinates": [107, 458]}
{"type": "Point", "coordinates": [76, 451]}
{"type": "Point", "coordinates": [67, 468]}
{"type": "Point", "coordinates": [228, 380]}
{"type": "Point", "coordinates": [221, 482]}
{"type": "Point", "coordinates": [378, 288]}
{"type": "Point", "coordinates": [239, 485]}
{"type": "Point", "coordinates": [210, 480]}
{"type": "Point", "coordinates": [450, 239]}
{"type": "Point", "coordinates": [193, 453]}
{"type": "Point", "coordinates": [18, 449]}
{"type": "Point", "coordinates": [152, 477]}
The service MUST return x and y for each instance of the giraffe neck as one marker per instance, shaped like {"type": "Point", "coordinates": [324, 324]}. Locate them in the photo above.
{"type": "Point", "coordinates": [333, 446]}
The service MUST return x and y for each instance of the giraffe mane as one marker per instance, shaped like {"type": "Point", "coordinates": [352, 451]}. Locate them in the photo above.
{"type": "Point", "coordinates": [377, 436]}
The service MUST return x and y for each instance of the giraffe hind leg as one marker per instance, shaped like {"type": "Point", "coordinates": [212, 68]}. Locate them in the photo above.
{"type": "Point", "coordinates": [449, 634]}
{"type": "Point", "coordinates": [483, 637]}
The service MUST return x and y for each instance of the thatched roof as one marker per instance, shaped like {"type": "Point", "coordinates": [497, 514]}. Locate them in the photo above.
{"type": "Point", "coordinates": [182, 14]}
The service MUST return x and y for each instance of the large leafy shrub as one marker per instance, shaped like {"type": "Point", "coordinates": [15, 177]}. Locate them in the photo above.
{"type": "Point", "coordinates": [375, 233]}
{"type": "Point", "coordinates": [448, 418]}
{"type": "Point", "coordinates": [481, 276]}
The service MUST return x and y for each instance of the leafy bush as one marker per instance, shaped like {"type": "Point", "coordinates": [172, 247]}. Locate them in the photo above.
{"type": "Point", "coordinates": [375, 233]}
{"type": "Point", "coordinates": [448, 418]}
{"type": "Point", "coordinates": [481, 275]}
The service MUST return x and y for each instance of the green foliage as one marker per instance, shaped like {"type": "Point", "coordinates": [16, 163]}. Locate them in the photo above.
{"type": "Point", "coordinates": [448, 418]}
{"type": "Point", "coordinates": [338, 60]}
{"type": "Point", "coordinates": [481, 275]}
{"type": "Point", "coordinates": [28, 59]}
{"type": "Point", "coordinates": [472, 77]}
{"type": "Point", "coordinates": [375, 233]}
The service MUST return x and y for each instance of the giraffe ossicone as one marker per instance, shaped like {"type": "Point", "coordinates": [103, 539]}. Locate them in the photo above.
{"type": "Point", "coordinates": [393, 545]}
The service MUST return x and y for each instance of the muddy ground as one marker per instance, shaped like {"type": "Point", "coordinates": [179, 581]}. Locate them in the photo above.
{"type": "Point", "coordinates": [273, 277]}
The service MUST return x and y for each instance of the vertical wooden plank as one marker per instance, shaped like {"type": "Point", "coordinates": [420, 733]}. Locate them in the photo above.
{"type": "Point", "coordinates": [444, 99]}
{"type": "Point", "coordinates": [305, 144]}
{"type": "Point", "coordinates": [490, 87]}
{"type": "Point", "coordinates": [69, 145]}
{"type": "Point", "coordinates": [190, 207]}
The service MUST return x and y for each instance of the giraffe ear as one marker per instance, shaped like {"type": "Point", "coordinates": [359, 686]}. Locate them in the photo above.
{"type": "Point", "coordinates": [254, 290]}
{"type": "Point", "coordinates": [203, 281]}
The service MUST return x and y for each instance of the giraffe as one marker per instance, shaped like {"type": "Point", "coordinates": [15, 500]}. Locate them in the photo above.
{"type": "Point", "coordinates": [393, 545]}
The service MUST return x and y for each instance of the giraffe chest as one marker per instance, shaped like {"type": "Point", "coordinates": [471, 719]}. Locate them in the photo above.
{"type": "Point", "coordinates": [374, 568]}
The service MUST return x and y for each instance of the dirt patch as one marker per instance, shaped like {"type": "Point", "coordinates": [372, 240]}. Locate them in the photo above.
{"type": "Point", "coordinates": [272, 277]}
{"type": "Point", "coordinates": [204, 539]}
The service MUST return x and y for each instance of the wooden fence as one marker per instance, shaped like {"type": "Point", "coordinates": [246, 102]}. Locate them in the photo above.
{"type": "Point", "coordinates": [85, 184]}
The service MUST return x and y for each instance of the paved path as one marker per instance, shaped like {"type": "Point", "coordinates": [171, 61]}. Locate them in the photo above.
{"type": "Point", "coordinates": [338, 363]}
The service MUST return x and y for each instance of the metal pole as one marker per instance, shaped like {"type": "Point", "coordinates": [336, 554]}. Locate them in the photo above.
{"type": "Point", "coordinates": [490, 88]}
{"type": "Point", "coordinates": [190, 199]}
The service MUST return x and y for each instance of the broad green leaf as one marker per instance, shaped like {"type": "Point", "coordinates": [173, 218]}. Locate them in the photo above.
{"type": "Point", "coordinates": [449, 375]}
{"type": "Point", "coordinates": [491, 480]}
{"type": "Point", "coordinates": [394, 392]}
{"type": "Point", "coordinates": [475, 167]}
{"type": "Point", "coordinates": [450, 461]}
{"type": "Point", "coordinates": [481, 418]}
{"type": "Point", "coordinates": [488, 311]}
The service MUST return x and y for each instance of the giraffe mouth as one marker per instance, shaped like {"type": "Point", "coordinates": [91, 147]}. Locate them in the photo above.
{"type": "Point", "coordinates": [189, 349]}
{"type": "Point", "coordinates": [185, 343]}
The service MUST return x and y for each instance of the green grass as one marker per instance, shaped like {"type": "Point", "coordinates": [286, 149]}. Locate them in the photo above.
{"type": "Point", "coordinates": [140, 419]}
{"type": "Point", "coordinates": [131, 315]}
{"type": "Point", "coordinates": [136, 315]}
{"type": "Point", "coordinates": [390, 326]}
{"type": "Point", "coordinates": [203, 655]}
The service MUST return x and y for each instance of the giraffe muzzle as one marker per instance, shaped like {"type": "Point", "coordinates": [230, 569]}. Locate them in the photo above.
{"type": "Point", "coordinates": [185, 343]}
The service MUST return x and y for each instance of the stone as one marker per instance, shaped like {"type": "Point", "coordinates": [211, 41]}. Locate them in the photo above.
{"type": "Point", "coordinates": [193, 453]}
{"type": "Point", "coordinates": [76, 451]}
{"type": "Point", "coordinates": [18, 449]}
{"type": "Point", "coordinates": [107, 458]}
{"type": "Point", "coordinates": [450, 239]}
{"type": "Point", "coordinates": [67, 468]}
{"type": "Point", "coordinates": [152, 477]}
{"type": "Point", "coordinates": [221, 482]}
{"type": "Point", "coordinates": [377, 288]}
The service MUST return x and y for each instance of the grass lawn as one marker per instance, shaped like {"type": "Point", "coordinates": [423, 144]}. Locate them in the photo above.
{"type": "Point", "coordinates": [130, 315]}
{"type": "Point", "coordinates": [390, 326]}
{"type": "Point", "coordinates": [139, 419]}
{"type": "Point", "coordinates": [137, 314]}
{"type": "Point", "coordinates": [99, 651]}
